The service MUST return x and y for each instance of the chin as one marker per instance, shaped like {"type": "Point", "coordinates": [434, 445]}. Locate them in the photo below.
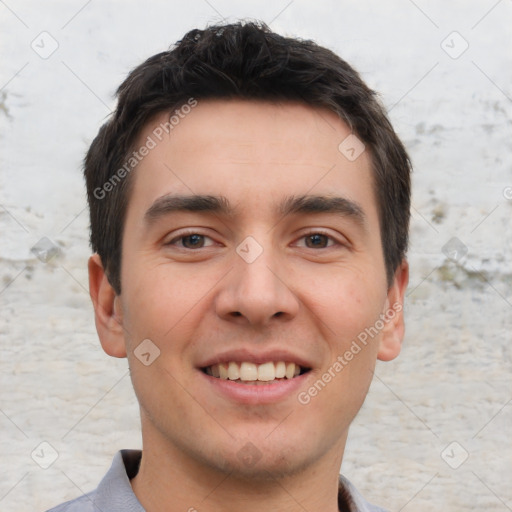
{"type": "Point", "coordinates": [267, 468]}
{"type": "Point", "coordinates": [261, 460]}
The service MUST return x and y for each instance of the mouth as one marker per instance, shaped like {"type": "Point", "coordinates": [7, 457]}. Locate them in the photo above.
{"type": "Point", "coordinates": [247, 373]}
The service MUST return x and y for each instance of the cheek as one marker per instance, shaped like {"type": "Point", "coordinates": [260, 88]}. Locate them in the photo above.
{"type": "Point", "coordinates": [339, 388]}
{"type": "Point", "coordinates": [349, 314]}
{"type": "Point", "coordinates": [347, 301]}
{"type": "Point", "coordinates": [163, 301]}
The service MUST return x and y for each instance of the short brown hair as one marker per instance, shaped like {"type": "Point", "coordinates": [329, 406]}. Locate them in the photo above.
{"type": "Point", "coordinates": [244, 61]}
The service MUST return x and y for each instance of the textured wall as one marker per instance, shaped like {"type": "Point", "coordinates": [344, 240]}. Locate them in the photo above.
{"type": "Point", "coordinates": [434, 432]}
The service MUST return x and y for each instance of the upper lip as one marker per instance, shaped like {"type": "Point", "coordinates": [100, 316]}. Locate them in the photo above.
{"type": "Point", "coordinates": [251, 356]}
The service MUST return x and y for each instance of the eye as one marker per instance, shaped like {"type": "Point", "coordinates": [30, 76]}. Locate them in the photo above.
{"type": "Point", "coordinates": [191, 241]}
{"type": "Point", "coordinates": [318, 240]}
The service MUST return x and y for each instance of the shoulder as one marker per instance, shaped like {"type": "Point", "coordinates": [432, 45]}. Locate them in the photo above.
{"type": "Point", "coordinates": [84, 503]}
{"type": "Point", "coordinates": [114, 492]}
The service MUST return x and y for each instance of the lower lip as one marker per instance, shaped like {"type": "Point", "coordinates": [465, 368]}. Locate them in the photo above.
{"type": "Point", "coordinates": [259, 393]}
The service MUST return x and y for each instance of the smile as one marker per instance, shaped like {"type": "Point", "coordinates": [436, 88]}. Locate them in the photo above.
{"type": "Point", "coordinates": [251, 373]}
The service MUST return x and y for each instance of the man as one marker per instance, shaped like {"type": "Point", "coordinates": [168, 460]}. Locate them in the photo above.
{"type": "Point", "coordinates": [249, 206]}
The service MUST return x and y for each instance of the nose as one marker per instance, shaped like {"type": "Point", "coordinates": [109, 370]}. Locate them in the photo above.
{"type": "Point", "coordinates": [257, 292]}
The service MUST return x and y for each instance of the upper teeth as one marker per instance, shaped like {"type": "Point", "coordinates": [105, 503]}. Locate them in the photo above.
{"type": "Point", "coordinates": [250, 371]}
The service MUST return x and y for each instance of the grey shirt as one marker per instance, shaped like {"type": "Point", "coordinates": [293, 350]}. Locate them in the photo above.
{"type": "Point", "coordinates": [115, 494]}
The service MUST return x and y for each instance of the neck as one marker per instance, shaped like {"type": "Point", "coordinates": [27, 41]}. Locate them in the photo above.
{"type": "Point", "coordinates": [168, 477]}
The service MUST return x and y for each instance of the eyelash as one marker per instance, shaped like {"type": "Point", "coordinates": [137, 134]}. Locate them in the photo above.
{"type": "Point", "coordinates": [315, 232]}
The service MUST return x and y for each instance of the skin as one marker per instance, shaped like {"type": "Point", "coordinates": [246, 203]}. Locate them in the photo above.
{"type": "Point", "coordinates": [193, 303]}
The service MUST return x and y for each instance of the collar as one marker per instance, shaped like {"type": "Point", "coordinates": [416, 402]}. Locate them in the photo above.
{"type": "Point", "coordinates": [115, 493]}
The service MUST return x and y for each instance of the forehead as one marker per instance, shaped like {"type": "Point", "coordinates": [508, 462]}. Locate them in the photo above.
{"type": "Point", "coordinates": [251, 152]}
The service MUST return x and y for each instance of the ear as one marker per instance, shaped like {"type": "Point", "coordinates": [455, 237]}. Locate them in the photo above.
{"type": "Point", "coordinates": [107, 309]}
{"type": "Point", "coordinates": [393, 332]}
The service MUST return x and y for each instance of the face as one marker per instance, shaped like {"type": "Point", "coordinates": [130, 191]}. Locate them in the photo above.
{"type": "Point", "coordinates": [278, 267]}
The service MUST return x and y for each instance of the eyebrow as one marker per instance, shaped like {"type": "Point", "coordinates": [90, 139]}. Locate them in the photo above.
{"type": "Point", "coordinates": [323, 204]}
{"type": "Point", "coordinates": [187, 203]}
{"type": "Point", "coordinates": [305, 204]}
